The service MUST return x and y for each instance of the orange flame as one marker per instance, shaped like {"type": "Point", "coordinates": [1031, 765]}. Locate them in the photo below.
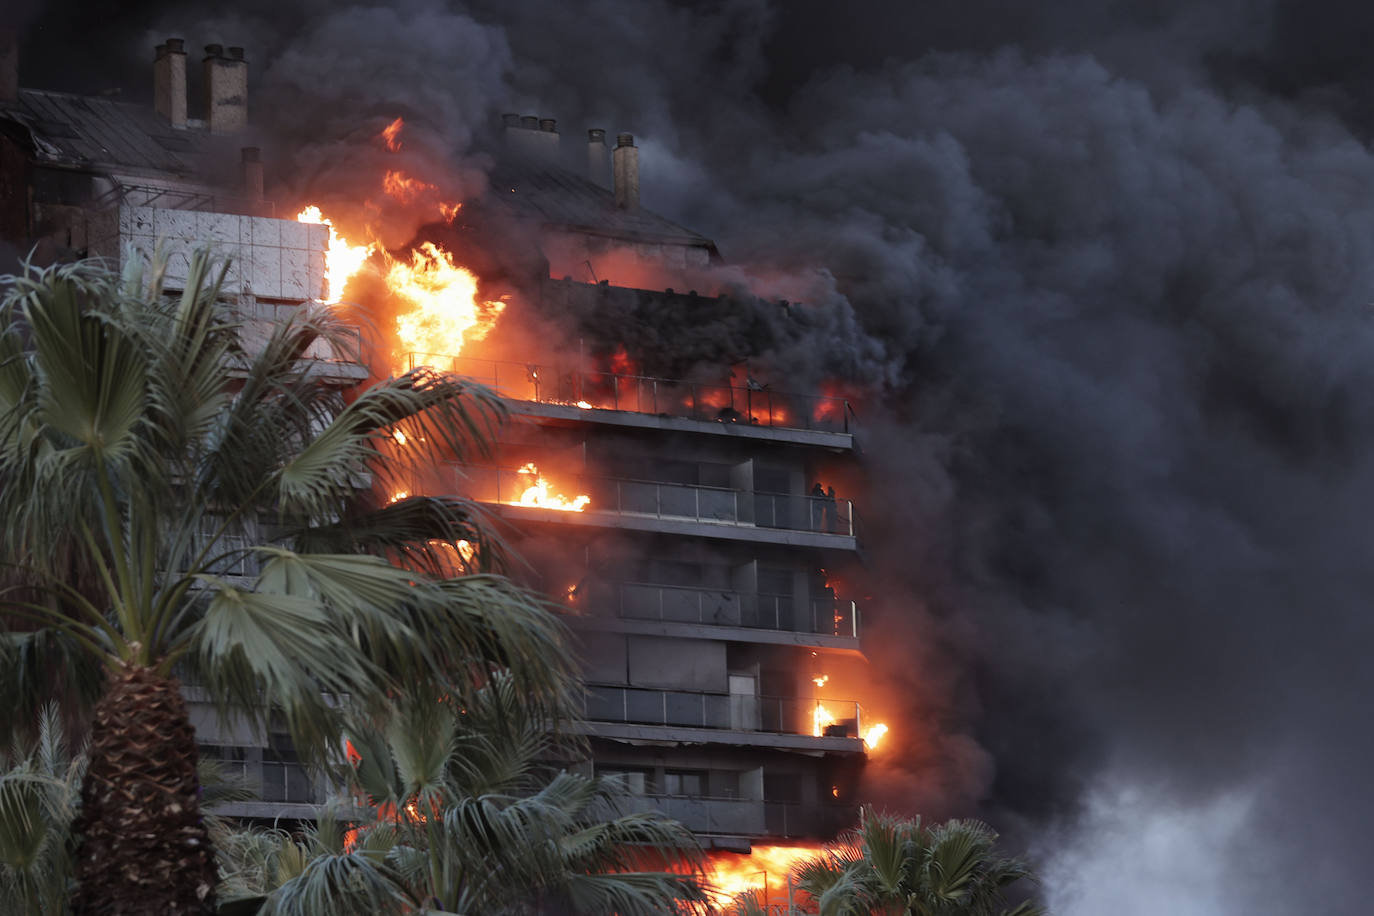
{"type": "Point", "coordinates": [342, 260]}
{"type": "Point", "coordinates": [874, 736]}
{"type": "Point", "coordinates": [398, 496]}
{"type": "Point", "coordinates": [391, 135]}
{"type": "Point", "coordinates": [820, 681]}
{"type": "Point", "coordinates": [450, 210]}
{"type": "Point", "coordinates": [444, 312]}
{"type": "Point", "coordinates": [404, 188]}
{"type": "Point", "coordinates": [821, 719]}
{"type": "Point", "coordinates": [764, 870]}
{"type": "Point", "coordinates": [539, 493]}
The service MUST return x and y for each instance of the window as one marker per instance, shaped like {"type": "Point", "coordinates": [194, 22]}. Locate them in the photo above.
{"type": "Point", "coordinates": [231, 759]}
{"type": "Point", "coordinates": [782, 787]}
{"type": "Point", "coordinates": [684, 782]}
{"type": "Point", "coordinates": [636, 781]}
{"type": "Point", "coordinates": [283, 777]}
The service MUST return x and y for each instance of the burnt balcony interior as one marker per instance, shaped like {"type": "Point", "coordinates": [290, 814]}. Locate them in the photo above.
{"type": "Point", "coordinates": [751, 793]}
{"type": "Point", "coordinates": [731, 686]}
{"type": "Point", "coordinates": [626, 474]}
{"type": "Point", "coordinates": [573, 384]}
{"type": "Point", "coordinates": [693, 583]}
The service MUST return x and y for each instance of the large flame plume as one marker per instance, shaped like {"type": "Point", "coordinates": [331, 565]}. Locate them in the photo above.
{"type": "Point", "coordinates": [764, 871]}
{"type": "Point", "coordinates": [539, 492]}
{"type": "Point", "coordinates": [444, 310]}
{"type": "Point", "coordinates": [342, 260]}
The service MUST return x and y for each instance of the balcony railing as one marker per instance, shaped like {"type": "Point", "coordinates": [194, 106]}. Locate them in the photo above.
{"type": "Point", "coordinates": [722, 608]}
{"type": "Point", "coordinates": [651, 499]}
{"type": "Point", "coordinates": [571, 386]}
{"type": "Point", "coordinates": [750, 817]}
{"type": "Point", "coordinates": [733, 712]}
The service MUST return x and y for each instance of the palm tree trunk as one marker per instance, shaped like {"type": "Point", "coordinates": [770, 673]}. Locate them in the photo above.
{"type": "Point", "coordinates": [143, 847]}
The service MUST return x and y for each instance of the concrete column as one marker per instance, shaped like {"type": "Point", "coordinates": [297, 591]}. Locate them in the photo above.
{"type": "Point", "coordinates": [625, 164]}
{"type": "Point", "coordinates": [226, 90]}
{"type": "Point", "coordinates": [169, 82]}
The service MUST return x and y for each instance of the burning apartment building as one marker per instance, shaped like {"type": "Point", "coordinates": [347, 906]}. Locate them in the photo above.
{"type": "Point", "coordinates": [682, 510]}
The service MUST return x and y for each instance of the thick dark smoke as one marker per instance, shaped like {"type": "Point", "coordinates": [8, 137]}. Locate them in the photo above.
{"type": "Point", "coordinates": [1108, 276]}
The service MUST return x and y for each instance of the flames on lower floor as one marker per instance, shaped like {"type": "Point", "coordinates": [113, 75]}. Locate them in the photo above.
{"type": "Point", "coordinates": [764, 871]}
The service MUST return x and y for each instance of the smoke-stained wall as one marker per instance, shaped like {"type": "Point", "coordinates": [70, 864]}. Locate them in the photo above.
{"type": "Point", "coordinates": [1106, 274]}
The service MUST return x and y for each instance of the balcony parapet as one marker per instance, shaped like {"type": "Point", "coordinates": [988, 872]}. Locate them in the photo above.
{"type": "Point", "coordinates": [721, 608]}
{"type": "Point", "coordinates": [570, 385]}
{"type": "Point", "coordinates": [629, 498]}
{"type": "Point", "coordinates": [813, 718]}
{"type": "Point", "coordinates": [753, 818]}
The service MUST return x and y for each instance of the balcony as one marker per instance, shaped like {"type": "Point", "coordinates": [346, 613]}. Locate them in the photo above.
{"type": "Point", "coordinates": [630, 500]}
{"type": "Point", "coordinates": [570, 386]}
{"type": "Point", "coordinates": [796, 716]}
{"type": "Point", "coordinates": [749, 817]}
{"type": "Point", "coordinates": [721, 608]}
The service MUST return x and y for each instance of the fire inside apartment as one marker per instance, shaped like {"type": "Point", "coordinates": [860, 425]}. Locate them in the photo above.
{"type": "Point", "coordinates": [682, 524]}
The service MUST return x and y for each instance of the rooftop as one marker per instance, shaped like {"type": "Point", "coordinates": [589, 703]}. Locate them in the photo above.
{"type": "Point", "coordinates": [91, 132]}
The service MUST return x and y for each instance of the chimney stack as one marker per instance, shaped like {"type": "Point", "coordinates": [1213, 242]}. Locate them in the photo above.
{"type": "Point", "coordinates": [169, 82]}
{"type": "Point", "coordinates": [596, 155]}
{"type": "Point", "coordinates": [532, 136]}
{"type": "Point", "coordinates": [9, 65]}
{"type": "Point", "coordinates": [625, 164]}
{"type": "Point", "coordinates": [252, 173]}
{"type": "Point", "coordinates": [226, 90]}
{"type": "Point", "coordinates": [548, 140]}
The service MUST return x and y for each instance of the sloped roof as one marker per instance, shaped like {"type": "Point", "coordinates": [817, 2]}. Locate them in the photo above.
{"type": "Point", "coordinates": [562, 198]}
{"type": "Point", "coordinates": [99, 133]}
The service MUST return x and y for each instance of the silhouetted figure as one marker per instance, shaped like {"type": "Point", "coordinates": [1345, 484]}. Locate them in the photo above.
{"type": "Point", "coordinates": [818, 507]}
{"type": "Point", "coordinates": [832, 522]}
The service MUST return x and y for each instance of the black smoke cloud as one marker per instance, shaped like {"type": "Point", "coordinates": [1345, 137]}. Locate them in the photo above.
{"type": "Point", "coordinates": [1108, 276]}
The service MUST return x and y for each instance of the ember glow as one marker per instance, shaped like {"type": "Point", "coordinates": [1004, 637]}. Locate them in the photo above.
{"type": "Point", "coordinates": [763, 870]}
{"type": "Point", "coordinates": [391, 135]}
{"type": "Point", "coordinates": [539, 492]}
{"type": "Point", "coordinates": [342, 260]}
{"type": "Point", "coordinates": [398, 496]}
{"type": "Point", "coordinates": [444, 311]}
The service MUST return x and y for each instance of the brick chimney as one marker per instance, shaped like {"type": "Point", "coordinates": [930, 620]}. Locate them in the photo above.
{"type": "Point", "coordinates": [226, 90]}
{"type": "Point", "coordinates": [596, 155]}
{"type": "Point", "coordinates": [625, 165]}
{"type": "Point", "coordinates": [9, 65]}
{"type": "Point", "coordinates": [169, 82]}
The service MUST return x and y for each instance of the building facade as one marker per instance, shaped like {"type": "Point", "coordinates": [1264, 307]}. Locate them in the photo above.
{"type": "Point", "coordinates": [699, 574]}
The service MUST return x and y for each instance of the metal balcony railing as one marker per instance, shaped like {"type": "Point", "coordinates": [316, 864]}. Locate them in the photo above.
{"type": "Point", "coordinates": [750, 817]}
{"type": "Point", "coordinates": [572, 386]}
{"type": "Point", "coordinates": [651, 499]}
{"type": "Point", "coordinates": [717, 607]}
{"type": "Point", "coordinates": [733, 712]}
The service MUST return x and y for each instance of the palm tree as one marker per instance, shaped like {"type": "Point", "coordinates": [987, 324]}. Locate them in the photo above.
{"type": "Point", "coordinates": [186, 493]}
{"type": "Point", "coordinates": [40, 784]}
{"type": "Point", "coordinates": [891, 865]}
{"type": "Point", "coordinates": [457, 808]}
